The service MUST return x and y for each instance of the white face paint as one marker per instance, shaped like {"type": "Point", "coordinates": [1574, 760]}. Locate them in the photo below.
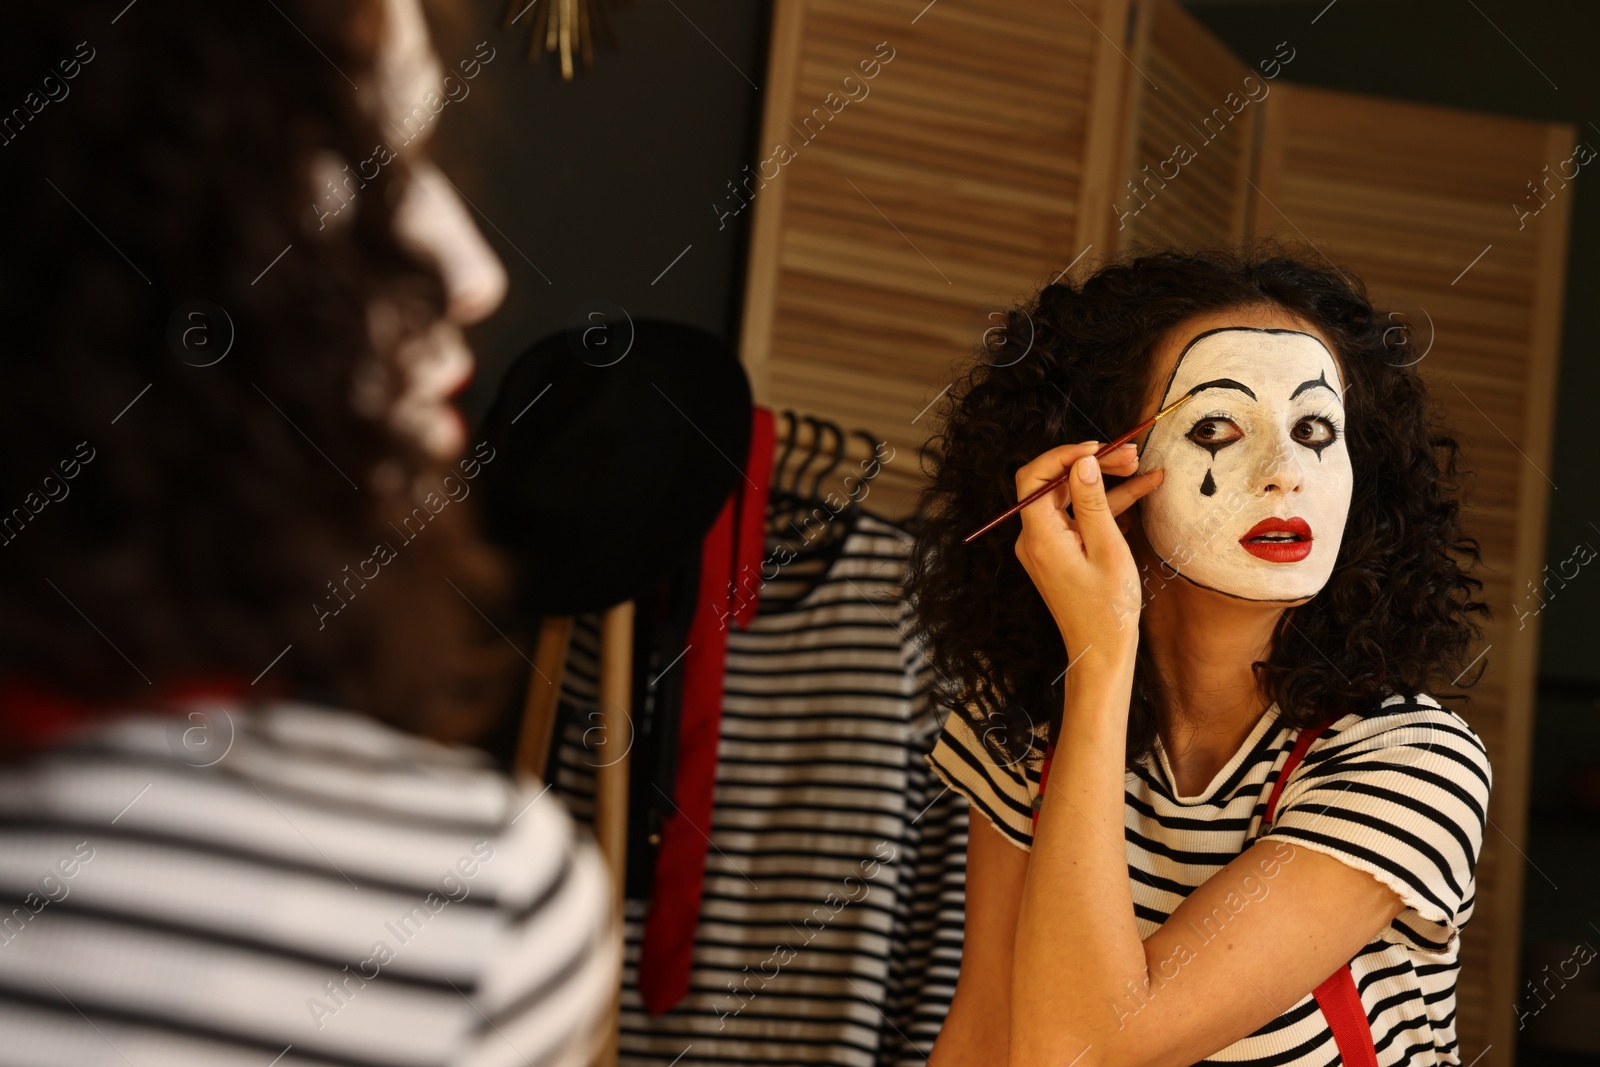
{"type": "Point", "coordinates": [431, 220]}
{"type": "Point", "coordinates": [1259, 447]}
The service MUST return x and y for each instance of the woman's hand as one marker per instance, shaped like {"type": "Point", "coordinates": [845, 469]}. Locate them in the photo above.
{"type": "Point", "coordinates": [1082, 566]}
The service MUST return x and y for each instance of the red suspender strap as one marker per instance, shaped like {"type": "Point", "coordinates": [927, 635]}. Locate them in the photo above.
{"type": "Point", "coordinates": [1340, 1002]}
{"type": "Point", "coordinates": [1044, 777]}
{"type": "Point", "coordinates": [1296, 754]}
{"type": "Point", "coordinates": [1337, 996]}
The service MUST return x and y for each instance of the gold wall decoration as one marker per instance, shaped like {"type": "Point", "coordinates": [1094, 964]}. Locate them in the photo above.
{"type": "Point", "coordinates": [564, 26]}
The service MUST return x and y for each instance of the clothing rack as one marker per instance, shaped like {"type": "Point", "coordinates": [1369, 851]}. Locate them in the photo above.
{"type": "Point", "coordinates": [811, 462]}
{"type": "Point", "coordinates": [809, 466]}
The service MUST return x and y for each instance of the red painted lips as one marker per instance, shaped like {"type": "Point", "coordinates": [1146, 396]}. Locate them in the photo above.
{"type": "Point", "coordinates": [1271, 540]}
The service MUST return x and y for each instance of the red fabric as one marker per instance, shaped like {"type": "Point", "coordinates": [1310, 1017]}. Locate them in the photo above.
{"type": "Point", "coordinates": [1044, 780]}
{"type": "Point", "coordinates": [34, 715]}
{"type": "Point", "coordinates": [1337, 996]}
{"type": "Point", "coordinates": [730, 554]}
{"type": "Point", "coordinates": [1296, 754]}
{"type": "Point", "coordinates": [1340, 1002]}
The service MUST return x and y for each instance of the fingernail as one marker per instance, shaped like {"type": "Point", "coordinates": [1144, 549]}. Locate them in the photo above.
{"type": "Point", "coordinates": [1130, 445]}
{"type": "Point", "coordinates": [1090, 472]}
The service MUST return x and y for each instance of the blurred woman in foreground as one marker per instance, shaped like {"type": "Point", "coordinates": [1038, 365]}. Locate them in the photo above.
{"type": "Point", "coordinates": [240, 585]}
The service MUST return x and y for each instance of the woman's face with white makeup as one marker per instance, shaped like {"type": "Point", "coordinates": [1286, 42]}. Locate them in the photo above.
{"type": "Point", "coordinates": [1258, 475]}
{"type": "Point", "coordinates": [432, 221]}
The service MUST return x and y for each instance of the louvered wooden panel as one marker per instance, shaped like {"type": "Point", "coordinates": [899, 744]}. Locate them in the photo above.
{"type": "Point", "coordinates": [952, 188]}
{"type": "Point", "coordinates": [1178, 95]}
{"type": "Point", "coordinates": [1408, 196]}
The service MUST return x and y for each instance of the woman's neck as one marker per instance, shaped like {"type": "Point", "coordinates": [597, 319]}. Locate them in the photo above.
{"type": "Point", "coordinates": [1202, 643]}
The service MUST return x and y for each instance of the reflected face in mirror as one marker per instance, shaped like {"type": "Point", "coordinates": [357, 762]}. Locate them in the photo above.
{"type": "Point", "coordinates": [432, 221]}
{"type": "Point", "coordinates": [1258, 474]}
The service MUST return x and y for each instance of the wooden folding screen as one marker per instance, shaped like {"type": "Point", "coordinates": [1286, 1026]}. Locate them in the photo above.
{"type": "Point", "coordinates": [948, 184]}
{"type": "Point", "coordinates": [1004, 140]}
{"type": "Point", "coordinates": [1185, 154]}
{"type": "Point", "coordinates": [1418, 201]}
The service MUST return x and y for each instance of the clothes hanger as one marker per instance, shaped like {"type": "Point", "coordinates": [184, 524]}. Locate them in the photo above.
{"type": "Point", "coordinates": [781, 499]}
{"type": "Point", "coordinates": [785, 501]}
{"type": "Point", "coordinates": [796, 488]}
{"type": "Point", "coordinates": [911, 524]}
{"type": "Point", "coordinates": [838, 456]}
{"type": "Point", "coordinates": [801, 499]}
{"type": "Point", "coordinates": [791, 424]}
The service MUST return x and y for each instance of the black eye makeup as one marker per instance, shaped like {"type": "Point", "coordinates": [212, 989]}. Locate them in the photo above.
{"type": "Point", "coordinates": [1316, 432]}
{"type": "Point", "coordinates": [1214, 432]}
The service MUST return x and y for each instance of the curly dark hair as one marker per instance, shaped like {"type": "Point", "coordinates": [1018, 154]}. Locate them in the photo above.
{"type": "Point", "coordinates": [1395, 616]}
{"type": "Point", "coordinates": [161, 155]}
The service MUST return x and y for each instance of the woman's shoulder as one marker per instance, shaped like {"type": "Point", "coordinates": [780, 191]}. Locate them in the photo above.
{"type": "Point", "coordinates": [200, 824]}
{"type": "Point", "coordinates": [1401, 791]}
{"type": "Point", "coordinates": [987, 742]}
{"type": "Point", "coordinates": [1416, 721]}
{"type": "Point", "coordinates": [974, 761]}
{"type": "Point", "coordinates": [282, 778]}
{"type": "Point", "coordinates": [315, 752]}
{"type": "Point", "coordinates": [1413, 742]}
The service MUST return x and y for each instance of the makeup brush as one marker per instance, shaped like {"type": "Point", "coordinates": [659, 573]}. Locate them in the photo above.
{"type": "Point", "coordinates": [1101, 454]}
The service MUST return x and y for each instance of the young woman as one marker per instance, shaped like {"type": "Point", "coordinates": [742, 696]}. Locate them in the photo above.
{"type": "Point", "coordinates": [1278, 566]}
{"type": "Point", "coordinates": [239, 584]}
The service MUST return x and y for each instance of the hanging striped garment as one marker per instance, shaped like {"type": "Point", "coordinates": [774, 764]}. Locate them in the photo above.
{"type": "Point", "coordinates": [831, 923]}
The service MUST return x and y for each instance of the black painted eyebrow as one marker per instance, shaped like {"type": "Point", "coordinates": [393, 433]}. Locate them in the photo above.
{"type": "Point", "coordinates": [1221, 329]}
{"type": "Point", "coordinates": [1225, 383]}
{"type": "Point", "coordinates": [1320, 380]}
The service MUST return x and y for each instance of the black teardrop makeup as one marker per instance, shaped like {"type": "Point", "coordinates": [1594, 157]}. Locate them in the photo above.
{"type": "Point", "coordinates": [1211, 433]}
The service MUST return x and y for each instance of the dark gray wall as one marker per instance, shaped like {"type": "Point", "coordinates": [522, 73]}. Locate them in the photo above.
{"type": "Point", "coordinates": [590, 189]}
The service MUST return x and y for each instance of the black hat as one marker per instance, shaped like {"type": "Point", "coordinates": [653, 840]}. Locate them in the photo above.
{"type": "Point", "coordinates": [616, 445]}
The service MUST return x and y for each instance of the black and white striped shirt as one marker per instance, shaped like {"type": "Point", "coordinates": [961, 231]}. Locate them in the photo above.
{"type": "Point", "coordinates": [292, 885]}
{"type": "Point", "coordinates": [1400, 792]}
{"type": "Point", "coordinates": [831, 922]}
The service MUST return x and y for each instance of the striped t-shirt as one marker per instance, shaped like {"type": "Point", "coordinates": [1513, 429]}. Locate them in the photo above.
{"type": "Point", "coordinates": [830, 925]}
{"type": "Point", "coordinates": [1399, 792]}
{"type": "Point", "coordinates": [292, 885]}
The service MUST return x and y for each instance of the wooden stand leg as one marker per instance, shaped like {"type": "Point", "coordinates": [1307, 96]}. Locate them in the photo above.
{"type": "Point", "coordinates": [544, 693]}
{"type": "Point", "coordinates": [611, 766]}
{"type": "Point", "coordinates": [611, 774]}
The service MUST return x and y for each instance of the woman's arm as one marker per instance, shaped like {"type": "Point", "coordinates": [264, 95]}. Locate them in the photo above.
{"type": "Point", "coordinates": [976, 1031]}
{"type": "Point", "coordinates": [1239, 951]}
{"type": "Point", "coordinates": [1085, 989]}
